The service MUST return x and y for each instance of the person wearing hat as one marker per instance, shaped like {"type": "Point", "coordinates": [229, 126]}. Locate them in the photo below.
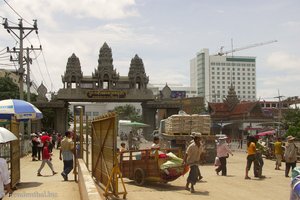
{"type": "Point", "coordinates": [192, 158]}
{"type": "Point", "coordinates": [290, 155]}
{"type": "Point", "coordinates": [223, 152]}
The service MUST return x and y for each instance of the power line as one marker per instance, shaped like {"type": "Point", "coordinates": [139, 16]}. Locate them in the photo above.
{"type": "Point", "coordinates": [46, 64]}
{"type": "Point", "coordinates": [16, 12]}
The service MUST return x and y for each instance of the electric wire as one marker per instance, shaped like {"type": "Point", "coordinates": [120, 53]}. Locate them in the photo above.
{"type": "Point", "coordinates": [52, 85]}
{"type": "Point", "coordinates": [16, 12]}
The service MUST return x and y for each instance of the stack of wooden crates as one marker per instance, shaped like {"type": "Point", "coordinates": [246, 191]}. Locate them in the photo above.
{"type": "Point", "coordinates": [184, 124]}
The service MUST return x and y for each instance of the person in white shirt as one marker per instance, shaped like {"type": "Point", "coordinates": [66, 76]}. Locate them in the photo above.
{"type": "Point", "coordinates": [192, 158]}
{"type": "Point", "coordinates": [4, 178]}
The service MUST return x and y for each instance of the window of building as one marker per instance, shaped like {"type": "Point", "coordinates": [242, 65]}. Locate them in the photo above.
{"type": "Point", "coordinates": [243, 69]}
{"type": "Point", "coordinates": [218, 73]}
{"type": "Point", "coordinates": [88, 113]}
{"type": "Point", "coordinates": [212, 77]}
{"type": "Point", "coordinates": [213, 63]}
{"type": "Point", "coordinates": [95, 114]}
{"type": "Point", "coordinates": [223, 77]}
{"type": "Point", "coordinates": [238, 69]}
{"type": "Point", "coordinates": [218, 77]}
{"type": "Point", "coordinates": [223, 73]}
{"type": "Point", "coordinates": [223, 82]}
{"type": "Point", "coordinates": [218, 64]}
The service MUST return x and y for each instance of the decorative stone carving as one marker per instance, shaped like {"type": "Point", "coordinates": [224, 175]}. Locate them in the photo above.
{"type": "Point", "coordinates": [105, 71]}
{"type": "Point", "coordinates": [166, 92]}
{"type": "Point", "coordinates": [137, 76]}
{"type": "Point", "coordinates": [42, 91]}
{"type": "Point", "coordinates": [231, 100]}
{"type": "Point", "coordinates": [73, 73]}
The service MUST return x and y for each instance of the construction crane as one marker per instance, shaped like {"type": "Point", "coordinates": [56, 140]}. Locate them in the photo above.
{"type": "Point", "coordinates": [221, 53]}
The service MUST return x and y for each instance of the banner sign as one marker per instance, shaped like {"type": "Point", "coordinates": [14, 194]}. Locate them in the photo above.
{"type": "Point", "coordinates": [106, 94]}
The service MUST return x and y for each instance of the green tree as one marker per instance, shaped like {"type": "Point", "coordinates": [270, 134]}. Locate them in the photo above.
{"type": "Point", "coordinates": [128, 112]}
{"type": "Point", "coordinates": [48, 118]}
{"type": "Point", "coordinates": [8, 89]}
{"type": "Point", "coordinates": [291, 122]}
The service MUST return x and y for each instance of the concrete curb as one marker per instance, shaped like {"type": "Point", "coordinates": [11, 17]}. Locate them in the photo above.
{"type": "Point", "coordinates": [87, 187]}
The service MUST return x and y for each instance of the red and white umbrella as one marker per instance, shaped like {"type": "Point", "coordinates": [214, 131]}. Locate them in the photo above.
{"type": "Point", "coordinates": [272, 132]}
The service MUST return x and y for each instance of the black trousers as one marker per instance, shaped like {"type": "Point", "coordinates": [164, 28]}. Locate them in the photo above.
{"type": "Point", "coordinates": [288, 166]}
{"type": "Point", "coordinates": [68, 166]}
{"type": "Point", "coordinates": [223, 166]}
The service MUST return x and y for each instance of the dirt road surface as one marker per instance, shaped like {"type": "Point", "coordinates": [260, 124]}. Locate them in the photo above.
{"type": "Point", "coordinates": [274, 187]}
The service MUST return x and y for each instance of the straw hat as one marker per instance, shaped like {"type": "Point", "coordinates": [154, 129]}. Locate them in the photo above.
{"type": "Point", "coordinates": [196, 134]}
{"type": "Point", "coordinates": [223, 137]}
{"type": "Point", "coordinates": [290, 138]}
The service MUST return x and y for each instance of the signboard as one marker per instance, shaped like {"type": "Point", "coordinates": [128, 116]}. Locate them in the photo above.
{"type": "Point", "coordinates": [106, 94]}
{"type": "Point", "coordinates": [178, 94]}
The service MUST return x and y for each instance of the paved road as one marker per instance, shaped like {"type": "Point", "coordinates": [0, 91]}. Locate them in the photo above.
{"type": "Point", "coordinates": [274, 187]}
{"type": "Point", "coordinates": [46, 187]}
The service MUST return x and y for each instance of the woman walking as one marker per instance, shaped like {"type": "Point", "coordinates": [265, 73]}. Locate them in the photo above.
{"type": "Point", "coordinates": [46, 156]}
{"type": "Point", "coordinates": [251, 157]}
{"type": "Point", "coordinates": [223, 152]}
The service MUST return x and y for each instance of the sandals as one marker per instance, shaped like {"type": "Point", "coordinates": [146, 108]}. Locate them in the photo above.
{"type": "Point", "coordinates": [247, 177]}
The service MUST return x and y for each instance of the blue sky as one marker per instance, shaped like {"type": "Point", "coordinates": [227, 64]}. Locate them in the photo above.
{"type": "Point", "coordinates": [166, 34]}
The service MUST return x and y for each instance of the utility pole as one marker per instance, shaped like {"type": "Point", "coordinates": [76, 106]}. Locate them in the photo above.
{"type": "Point", "coordinates": [21, 36]}
{"type": "Point", "coordinates": [28, 82]}
{"type": "Point", "coordinates": [279, 111]}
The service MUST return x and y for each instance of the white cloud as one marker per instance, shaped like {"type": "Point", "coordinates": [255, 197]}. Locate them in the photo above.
{"type": "Point", "coordinates": [283, 61]}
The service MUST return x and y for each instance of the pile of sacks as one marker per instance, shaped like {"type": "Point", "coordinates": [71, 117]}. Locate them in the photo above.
{"type": "Point", "coordinates": [173, 168]}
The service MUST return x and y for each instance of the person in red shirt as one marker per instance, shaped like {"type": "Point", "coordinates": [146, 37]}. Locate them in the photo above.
{"type": "Point", "coordinates": [46, 156]}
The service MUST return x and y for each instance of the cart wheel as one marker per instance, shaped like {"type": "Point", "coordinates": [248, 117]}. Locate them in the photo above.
{"type": "Point", "coordinates": [139, 176]}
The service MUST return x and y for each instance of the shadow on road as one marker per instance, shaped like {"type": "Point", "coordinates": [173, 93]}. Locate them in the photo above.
{"type": "Point", "coordinates": [29, 184]}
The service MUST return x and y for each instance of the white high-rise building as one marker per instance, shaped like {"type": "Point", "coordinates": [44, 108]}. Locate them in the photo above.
{"type": "Point", "coordinates": [215, 74]}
